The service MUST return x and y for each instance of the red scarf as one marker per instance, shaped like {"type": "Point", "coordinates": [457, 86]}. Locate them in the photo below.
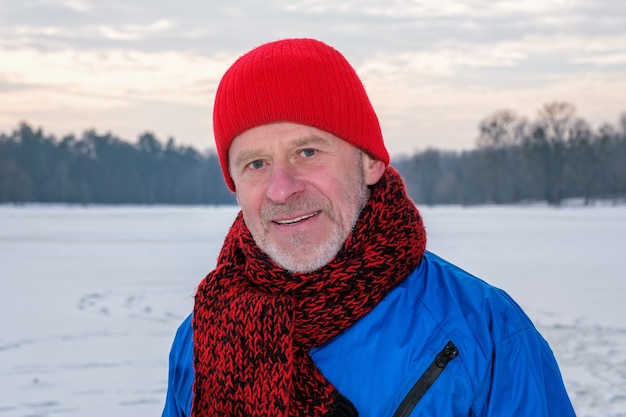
{"type": "Point", "coordinates": [254, 323]}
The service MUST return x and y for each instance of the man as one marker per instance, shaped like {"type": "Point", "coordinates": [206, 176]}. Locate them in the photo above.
{"type": "Point", "coordinates": [324, 301]}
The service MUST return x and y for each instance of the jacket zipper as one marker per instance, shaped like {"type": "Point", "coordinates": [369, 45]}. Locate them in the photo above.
{"type": "Point", "coordinates": [429, 377]}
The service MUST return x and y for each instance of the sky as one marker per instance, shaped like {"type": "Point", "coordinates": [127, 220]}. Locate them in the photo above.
{"type": "Point", "coordinates": [433, 69]}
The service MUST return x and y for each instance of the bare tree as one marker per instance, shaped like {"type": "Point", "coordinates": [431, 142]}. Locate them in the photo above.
{"type": "Point", "coordinates": [497, 162]}
{"type": "Point", "coordinates": [546, 146]}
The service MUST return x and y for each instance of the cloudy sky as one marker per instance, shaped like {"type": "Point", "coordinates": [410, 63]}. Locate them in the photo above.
{"type": "Point", "coordinates": [433, 68]}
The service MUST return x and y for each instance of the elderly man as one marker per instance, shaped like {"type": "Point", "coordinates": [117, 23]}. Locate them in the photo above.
{"type": "Point", "coordinates": [324, 300]}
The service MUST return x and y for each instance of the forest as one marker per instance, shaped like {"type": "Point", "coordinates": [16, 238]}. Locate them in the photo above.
{"type": "Point", "coordinates": [104, 169]}
{"type": "Point", "coordinates": [555, 157]}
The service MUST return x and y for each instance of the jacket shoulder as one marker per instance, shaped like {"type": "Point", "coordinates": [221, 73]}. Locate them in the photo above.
{"type": "Point", "coordinates": [509, 363]}
{"type": "Point", "coordinates": [462, 302]}
{"type": "Point", "coordinates": [437, 303]}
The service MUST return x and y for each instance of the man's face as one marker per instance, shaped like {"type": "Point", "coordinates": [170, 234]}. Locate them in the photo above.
{"type": "Point", "coordinates": [301, 190]}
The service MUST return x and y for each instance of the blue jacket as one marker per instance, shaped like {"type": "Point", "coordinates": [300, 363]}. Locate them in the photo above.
{"type": "Point", "coordinates": [442, 343]}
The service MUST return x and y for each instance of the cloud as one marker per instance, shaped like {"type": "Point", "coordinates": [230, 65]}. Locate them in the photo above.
{"type": "Point", "coordinates": [134, 32]}
{"type": "Point", "coordinates": [77, 5]}
{"type": "Point", "coordinates": [471, 61]}
{"type": "Point", "coordinates": [420, 115]}
{"type": "Point", "coordinates": [124, 74]}
{"type": "Point", "coordinates": [114, 89]}
{"type": "Point", "coordinates": [604, 60]}
{"type": "Point", "coordinates": [434, 68]}
{"type": "Point", "coordinates": [432, 8]}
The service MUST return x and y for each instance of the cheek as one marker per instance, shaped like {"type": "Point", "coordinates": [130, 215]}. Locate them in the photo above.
{"type": "Point", "coordinates": [248, 194]}
{"type": "Point", "coordinates": [251, 201]}
{"type": "Point", "coordinates": [249, 206]}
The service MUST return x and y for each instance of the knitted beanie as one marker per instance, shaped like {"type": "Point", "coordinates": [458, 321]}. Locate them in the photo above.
{"type": "Point", "coordinates": [302, 81]}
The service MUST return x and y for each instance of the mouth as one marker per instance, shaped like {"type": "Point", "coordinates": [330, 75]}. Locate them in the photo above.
{"type": "Point", "coordinates": [295, 220]}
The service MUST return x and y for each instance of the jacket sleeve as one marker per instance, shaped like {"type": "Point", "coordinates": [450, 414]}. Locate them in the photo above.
{"type": "Point", "coordinates": [524, 380]}
{"type": "Point", "coordinates": [180, 374]}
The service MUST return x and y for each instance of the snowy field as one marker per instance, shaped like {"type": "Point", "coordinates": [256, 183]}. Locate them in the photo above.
{"type": "Point", "coordinates": [90, 298]}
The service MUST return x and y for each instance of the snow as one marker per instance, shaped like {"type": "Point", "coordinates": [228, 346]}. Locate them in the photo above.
{"type": "Point", "coordinates": [90, 297]}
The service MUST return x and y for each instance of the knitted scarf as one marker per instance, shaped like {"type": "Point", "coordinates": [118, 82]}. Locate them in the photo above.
{"type": "Point", "coordinates": [254, 323]}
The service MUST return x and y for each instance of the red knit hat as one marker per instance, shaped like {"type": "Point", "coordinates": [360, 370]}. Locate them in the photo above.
{"type": "Point", "coordinates": [302, 81]}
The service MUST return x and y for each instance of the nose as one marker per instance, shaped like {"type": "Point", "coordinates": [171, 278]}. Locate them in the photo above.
{"type": "Point", "coordinates": [284, 183]}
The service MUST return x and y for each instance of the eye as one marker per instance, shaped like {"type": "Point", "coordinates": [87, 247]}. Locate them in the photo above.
{"type": "Point", "coordinates": [307, 153]}
{"type": "Point", "coordinates": [258, 164]}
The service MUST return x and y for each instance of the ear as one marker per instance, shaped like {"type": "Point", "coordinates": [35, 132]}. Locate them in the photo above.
{"type": "Point", "coordinates": [373, 169]}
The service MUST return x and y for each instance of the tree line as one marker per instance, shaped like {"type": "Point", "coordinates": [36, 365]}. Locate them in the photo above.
{"type": "Point", "coordinates": [104, 169]}
{"type": "Point", "coordinates": [552, 158]}
{"type": "Point", "coordinates": [555, 157]}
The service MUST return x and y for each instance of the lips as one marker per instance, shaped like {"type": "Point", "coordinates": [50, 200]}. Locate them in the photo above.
{"type": "Point", "coordinates": [295, 220]}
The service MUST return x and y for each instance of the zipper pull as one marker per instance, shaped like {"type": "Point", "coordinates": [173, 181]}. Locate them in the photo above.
{"type": "Point", "coordinates": [429, 377]}
{"type": "Point", "coordinates": [447, 354]}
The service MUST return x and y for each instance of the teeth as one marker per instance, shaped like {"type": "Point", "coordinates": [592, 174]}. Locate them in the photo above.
{"type": "Point", "coordinates": [296, 220]}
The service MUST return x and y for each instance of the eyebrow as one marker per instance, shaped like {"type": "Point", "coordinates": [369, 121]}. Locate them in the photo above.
{"type": "Point", "coordinates": [249, 155]}
{"type": "Point", "coordinates": [243, 156]}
